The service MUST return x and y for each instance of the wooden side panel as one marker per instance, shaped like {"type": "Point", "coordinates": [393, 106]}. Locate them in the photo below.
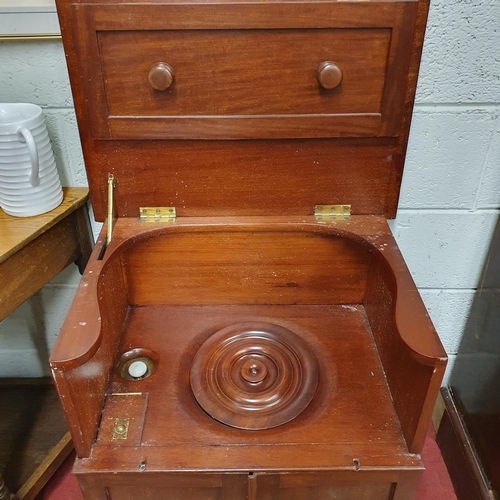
{"type": "Point", "coordinates": [407, 107]}
{"type": "Point", "coordinates": [465, 466]}
{"type": "Point", "coordinates": [81, 383]}
{"type": "Point", "coordinates": [245, 268]}
{"type": "Point", "coordinates": [413, 378]}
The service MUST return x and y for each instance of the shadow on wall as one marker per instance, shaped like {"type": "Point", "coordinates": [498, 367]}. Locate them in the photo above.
{"type": "Point", "coordinates": [39, 332]}
{"type": "Point", "coordinates": [26, 337]}
{"type": "Point", "coordinates": [476, 374]}
{"type": "Point", "coordinates": [475, 379]}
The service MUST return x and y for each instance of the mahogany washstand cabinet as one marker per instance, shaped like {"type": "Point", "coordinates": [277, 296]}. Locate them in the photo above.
{"type": "Point", "coordinates": [248, 329]}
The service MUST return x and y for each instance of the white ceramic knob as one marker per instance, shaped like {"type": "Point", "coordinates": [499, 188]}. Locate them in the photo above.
{"type": "Point", "coordinates": [137, 369]}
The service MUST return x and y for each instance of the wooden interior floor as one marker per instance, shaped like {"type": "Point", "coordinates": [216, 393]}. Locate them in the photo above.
{"type": "Point", "coordinates": [165, 417]}
{"type": "Point", "coordinates": [31, 424]}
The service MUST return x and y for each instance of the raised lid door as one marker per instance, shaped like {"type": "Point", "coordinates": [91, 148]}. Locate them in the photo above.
{"type": "Point", "coordinates": [222, 72]}
{"type": "Point", "coordinates": [237, 108]}
{"type": "Point", "coordinates": [243, 84]}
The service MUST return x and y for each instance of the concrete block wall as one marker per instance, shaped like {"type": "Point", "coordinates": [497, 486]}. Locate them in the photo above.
{"type": "Point", "coordinates": [35, 71]}
{"type": "Point", "coordinates": [450, 194]}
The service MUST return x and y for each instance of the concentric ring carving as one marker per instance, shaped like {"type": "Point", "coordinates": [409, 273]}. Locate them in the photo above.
{"type": "Point", "coordinates": [254, 375]}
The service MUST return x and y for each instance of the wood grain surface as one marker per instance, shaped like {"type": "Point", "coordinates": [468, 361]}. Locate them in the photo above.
{"type": "Point", "coordinates": [32, 434]}
{"type": "Point", "coordinates": [230, 127]}
{"type": "Point", "coordinates": [252, 267]}
{"type": "Point", "coordinates": [35, 249]}
{"type": "Point", "coordinates": [393, 308]}
{"type": "Point", "coordinates": [17, 232]}
{"type": "Point", "coordinates": [244, 141]}
{"type": "Point", "coordinates": [254, 486]}
{"type": "Point", "coordinates": [212, 74]}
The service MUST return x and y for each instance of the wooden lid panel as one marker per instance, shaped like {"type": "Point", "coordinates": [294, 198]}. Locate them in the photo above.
{"type": "Point", "coordinates": [235, 75]}
{"type": "Point", "coordinates": [237, 108]}
{"type": "Point", "coordinates": [243, 78]}
{"type": "Point", "coordinates": [227, 178]}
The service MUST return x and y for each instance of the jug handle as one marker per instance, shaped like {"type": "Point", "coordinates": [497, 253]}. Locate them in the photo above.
{"type": "Point", "coordinates": [30, 142]}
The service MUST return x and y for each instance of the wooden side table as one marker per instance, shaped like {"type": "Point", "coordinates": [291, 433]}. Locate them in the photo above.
{"type": "Point", "coordinates": [32, 251]}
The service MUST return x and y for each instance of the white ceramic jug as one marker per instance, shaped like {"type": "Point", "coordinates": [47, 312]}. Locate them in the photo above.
{"type": "Point", "coordinates": [29, 181]}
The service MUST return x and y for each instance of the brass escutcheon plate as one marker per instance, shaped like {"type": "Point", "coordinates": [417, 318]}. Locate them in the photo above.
{"type": "Point", "coordinates": [120, 428]}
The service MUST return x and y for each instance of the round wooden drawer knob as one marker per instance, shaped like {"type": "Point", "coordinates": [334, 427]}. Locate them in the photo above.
{"type": "Point", "coordinates": [161, 76]}
{"type": "Point", "coordinates": [329, 75]}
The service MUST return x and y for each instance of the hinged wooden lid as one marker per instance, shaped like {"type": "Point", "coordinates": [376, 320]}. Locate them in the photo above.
{"type": "Point", "coordinates": [236, 108]}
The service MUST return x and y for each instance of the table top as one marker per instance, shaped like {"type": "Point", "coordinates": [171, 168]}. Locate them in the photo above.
{"type": "Point", "coordinates": [17, 232]}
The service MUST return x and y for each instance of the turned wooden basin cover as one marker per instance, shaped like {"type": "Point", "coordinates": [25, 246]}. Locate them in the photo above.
{"type": "Point", "coordinates": [254, 375]}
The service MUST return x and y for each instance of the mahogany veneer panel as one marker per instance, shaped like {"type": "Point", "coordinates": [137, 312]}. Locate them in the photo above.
{"type": "Point", "coordinates": [252, 81]}
{"type": "Point", "coordinates": [349, 367]}
{"type": "Point", "coordinates": [292, 121]}
{"type": "Point", "coordinates": [374, 486]}
{"type": "Point", "coordinates": [252, 268]}
{"type": "Point", "coordinates": [227, 178]}
{"type": "Point", "coordinates": [212, 487]}
{"type": "Point", "coordinates": [244, 142]}
{"type": "Point", "coordinates": [170, 433]}
{"type": "Point", "coordinates": [209, 66]}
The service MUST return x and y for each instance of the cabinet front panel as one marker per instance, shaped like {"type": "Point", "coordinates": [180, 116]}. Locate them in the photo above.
{"type": "Point", "coordinates": [370, 485]}
{"type": "Point", "coordinates": [150, 493]}
{"type": "Point", "coordinates": [342, 491]}
{"type": "Point", "coordinates": [353, 485]}
{"type": "Point", "coordinates": [177, 486]}
{"type": "Point", "coordinates": [243, 71]}
{"type": "Point", "coordinates": [247, 72]}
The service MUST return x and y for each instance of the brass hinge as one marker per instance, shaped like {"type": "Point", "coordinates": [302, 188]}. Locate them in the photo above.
{"type": "Point", "coordinates": [156, 214]}
{"type": "Point", "coordinates": [332, 212]}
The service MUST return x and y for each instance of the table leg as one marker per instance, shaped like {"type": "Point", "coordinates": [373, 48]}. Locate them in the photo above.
{"type": "Point", "coordinates": [5, 494]}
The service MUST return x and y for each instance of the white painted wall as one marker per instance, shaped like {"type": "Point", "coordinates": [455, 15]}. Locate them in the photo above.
{"type": "Point", "coordinates": [451, 188]}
